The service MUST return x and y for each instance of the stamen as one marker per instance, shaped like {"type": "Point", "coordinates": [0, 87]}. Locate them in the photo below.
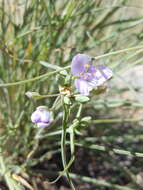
{"type": "Point", "coordinates": [84, 76]}
{"type": "Point", "coordinates": [87, 65]}
{"type": "Point", "coordinates": [81, 74]}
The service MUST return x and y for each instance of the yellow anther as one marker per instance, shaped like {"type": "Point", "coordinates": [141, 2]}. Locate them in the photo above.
{"type": "Point", "coordinates": [87, 65]}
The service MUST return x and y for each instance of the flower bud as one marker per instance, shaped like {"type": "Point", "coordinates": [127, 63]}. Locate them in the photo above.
{"type": "Point", "coordinates": [42, 117]}
{"type": "Point", "coordinates": [33, 95]}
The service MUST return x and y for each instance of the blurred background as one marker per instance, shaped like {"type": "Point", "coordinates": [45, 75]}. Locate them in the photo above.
{"type": "Point", "coordinates": [36, 34]}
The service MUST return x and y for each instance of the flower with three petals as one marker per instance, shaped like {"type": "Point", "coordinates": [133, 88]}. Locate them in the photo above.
{"type": "Point", "coordinates": [88, 76]}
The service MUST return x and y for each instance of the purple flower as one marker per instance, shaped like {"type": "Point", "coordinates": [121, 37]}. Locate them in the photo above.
{"type": "Point", "coordinates": [88, 76]}
{"type": "Point", "coordinates": [41, 117]}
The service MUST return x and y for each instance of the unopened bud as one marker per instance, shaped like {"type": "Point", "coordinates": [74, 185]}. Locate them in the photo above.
{"type": "Point", "coordinates": [33, 95]}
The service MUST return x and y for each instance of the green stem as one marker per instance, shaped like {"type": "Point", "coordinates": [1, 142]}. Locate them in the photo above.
{"type": "Point", "coordinates": [72, 142]}
{"type": "Point", "coordinates": [99, 182]}
{"type": "Point", "coordinates": [34, 79]}
{"type": "Point", "coordinates": [63, 172]}
{"type": "Point", "coordinates": [79, 111]}
{"type": "Point", "coordinates": [113, 150]}
{"type": "Point", "coordinates": [72, 133]}
{"type": "Point", "coordinates": [55, 103]}
{"type": "Point", "coordinates": [47, 96]}
{"type": "Point", "coordinates": [118, 52]}
{"type": "Point", "coordinates": [34, 148]}
{"type": "Point", "coordinates": [67, 67]}
{"type": "Point", "coordinates": [63, 144]}
{"type": "Point", "coordinates": [64, 137]}
{"type": "Point", "coordinates": [98, 121]}
{"type": "Point", "coordinates": [134, 120]}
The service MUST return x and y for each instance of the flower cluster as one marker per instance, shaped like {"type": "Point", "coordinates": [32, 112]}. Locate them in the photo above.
{"type": "Point", "coordinates": [88, 76]}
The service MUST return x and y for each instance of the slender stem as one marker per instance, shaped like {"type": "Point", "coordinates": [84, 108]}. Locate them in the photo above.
{"type": "Point", "coordinates": [97, 182]}
{"type": "Point", "coordinates": [33, 79]}
{"type": "Point", "coordinates": [63, 172]}
{"type": "Point", "coordinates": [72, 132]}
{"type": "Point", "coordinates": [48, 96]}
{"type": "Point", "coordinates": [63, 144]}
{"type": "Point", "coordinates": [34, 148]}
{"type": "Point", "coordinates": [67, 67]}
{"type": "Point", "coordinates": [79, 111]}
{"type": "Point", "coordinates": [118, 52]}
{"type": "Point", "coordinates": [64, 137]}
{"type": "Point", "coordinates": [114, 150]}
{"type": "Point", "coordinates": [100, 182]}
{"type": "Point", "coordinates": [134, 120]}
{"type": "Point", "coordinates": [72, 143]}
{"type": "Point", "coordinates": [55, 103]}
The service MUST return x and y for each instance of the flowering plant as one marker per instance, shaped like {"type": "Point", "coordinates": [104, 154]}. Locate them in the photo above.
{"type": "Point", "coordinates": [86, 77]}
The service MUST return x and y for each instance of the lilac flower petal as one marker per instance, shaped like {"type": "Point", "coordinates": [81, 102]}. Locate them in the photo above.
{"type": "Point", "coordinates": [105, 71]}
{"type": "Point", "coordinates": [44, 115]}
{"type": "Point", "coordinates": [42, 124]}
{"type": "Point", "coordinates": [92, 69]}
{"type": "Point", "coordinates": [101, 76]}
{"type": "Point", "coordinates": [93, 83]}
{"type": "Point", "coordinates": [83, 86]}
{"type": "Point", "coordinates": [35, 117]}
{"type": "Point", "coordinates": [80, 63]}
